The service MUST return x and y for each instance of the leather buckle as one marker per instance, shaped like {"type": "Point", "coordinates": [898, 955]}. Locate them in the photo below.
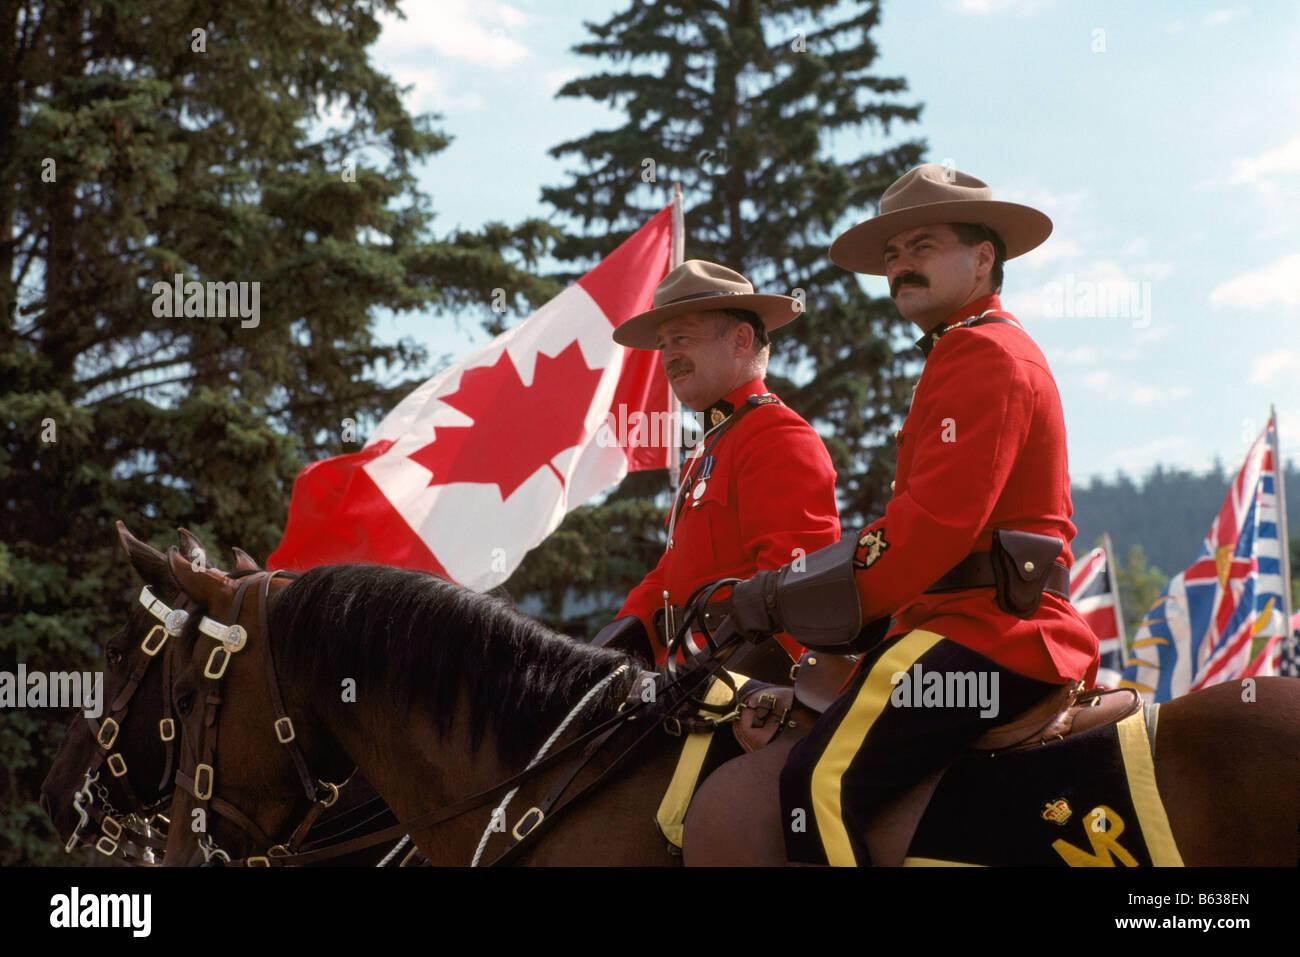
{"type": "Point", "coordinates": [166, 729]}
{"type": "Point", "coordinates": [108, 733]}
{"type": "Point", "coordinates": [284, 732]}
{"type": "Point", "coordinates": [117, 765]}
{"type": "Point", "coordinates": [673, 726]}
{"type": "Point", "coordinates": [202, 772]}
{"type": "Point", "coordinates": [519, 831]}
{"type": "Point", "coordinates": [216, 667]}
{"type": "Point", "coordinates": [153, 642]}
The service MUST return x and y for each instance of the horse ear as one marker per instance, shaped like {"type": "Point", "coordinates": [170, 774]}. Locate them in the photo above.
{"type": "Point", "coordinates": [244, 562]}
{"type": "Point", "coordinates": [199, 580]}
{"type": "Point", "coordinates": [150, 563]}
{"type": "Point", "coordinates": [191, 547]}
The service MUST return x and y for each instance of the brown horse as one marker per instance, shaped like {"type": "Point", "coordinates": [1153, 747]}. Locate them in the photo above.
{"type": "Point", "coordinates": [87, 801]}
{"type": "Point", "coordinates": [438, 693]}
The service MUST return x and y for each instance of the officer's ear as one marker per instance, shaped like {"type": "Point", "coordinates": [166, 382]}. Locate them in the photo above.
{"type": "Point", "coordinates": [742, 337]}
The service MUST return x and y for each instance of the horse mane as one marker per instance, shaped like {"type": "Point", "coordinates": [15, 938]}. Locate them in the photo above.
{"type": "Point", "coordinates": [414, 638]}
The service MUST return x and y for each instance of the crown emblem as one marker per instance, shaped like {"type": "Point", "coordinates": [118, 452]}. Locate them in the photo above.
{"type": "Point", "coordinates": [1058, 811]}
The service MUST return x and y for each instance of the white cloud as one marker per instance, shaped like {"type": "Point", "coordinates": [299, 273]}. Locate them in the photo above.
{"type": "Point", "coordinates": [1283, 160]}
{"type": "Point", "coordinates": [1135, 393]}
{"type": "Point", "coordinates": [1137, 460]}
{"type": "Point", "coordinates": [1277, 284]}
{"type": "Point", "coordinates": [1052, 203]}
{"type": "Point", "coordinates": [1081, 355]}
{"type": "Point", "coordinates": [986, 7]}
{"type": "Point", "coordinates": [1219, 17]}
{"type": "Point", "coordinates": [1268, 367]}
{"type": "Point", "coordinates": [484, 32]}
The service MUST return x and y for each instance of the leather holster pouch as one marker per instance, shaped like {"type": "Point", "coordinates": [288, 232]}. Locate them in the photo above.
{"type": "Point", "coordinates": [1021, 564]}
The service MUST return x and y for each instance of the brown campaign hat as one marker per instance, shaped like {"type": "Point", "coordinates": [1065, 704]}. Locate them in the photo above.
{"type": "Point", "coordinates": [700, 286]}
{"type": "Point", "coordinates": [933, 194]}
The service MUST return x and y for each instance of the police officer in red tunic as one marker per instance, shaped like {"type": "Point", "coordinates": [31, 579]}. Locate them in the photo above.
{"type": "Point", "coordinates": [758, 490]}
{"type": "Point", "coordinates": [966, 576]}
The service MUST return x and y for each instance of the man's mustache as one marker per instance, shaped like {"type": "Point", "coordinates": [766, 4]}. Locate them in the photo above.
{"type": "Point", "coordinates": [908, 278]}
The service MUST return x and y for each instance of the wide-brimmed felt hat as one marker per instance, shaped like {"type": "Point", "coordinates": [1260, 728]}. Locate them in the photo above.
{"type": "Point", "coordinates": [700, 286]}
{"type": "Point", "coordinates": [933, 194]}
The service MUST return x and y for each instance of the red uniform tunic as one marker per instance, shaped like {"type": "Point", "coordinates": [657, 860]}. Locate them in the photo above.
{"type": "Point", "coordinates": [771, 492]}
{"type": "Point", "coordinates": [982, 447]}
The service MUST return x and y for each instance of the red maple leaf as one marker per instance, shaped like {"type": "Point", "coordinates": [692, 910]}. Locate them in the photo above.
{"type": "Point", "coordinates": [517, 429]}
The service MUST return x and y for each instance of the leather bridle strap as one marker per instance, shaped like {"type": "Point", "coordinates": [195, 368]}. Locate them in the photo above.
{"type": "Point", "coordinates": [601, 731]}
{"type": "Point", "coordinates": [284, 730]}
{"type": "Point", "coordinates": [111, 843]}
{"type": "Point", "coordinates": [322, 796]}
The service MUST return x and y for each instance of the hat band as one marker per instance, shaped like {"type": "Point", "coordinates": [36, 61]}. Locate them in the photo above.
{"type": "Point", "coordinates": [700, 295]}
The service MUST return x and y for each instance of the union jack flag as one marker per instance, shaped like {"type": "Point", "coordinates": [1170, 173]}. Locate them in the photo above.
{"type": "Point", "coordinates": [1095, 596]}
{"type": "Point", "coordinates": [1199, 632]}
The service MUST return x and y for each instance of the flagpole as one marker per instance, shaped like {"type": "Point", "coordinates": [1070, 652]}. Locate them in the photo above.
{"type": "Point", "coordinates": [675, 257]}
{"type": "Point", "coordinates": [1114, 585]}
{"type": "Point", "coordinates": [1279, 487]}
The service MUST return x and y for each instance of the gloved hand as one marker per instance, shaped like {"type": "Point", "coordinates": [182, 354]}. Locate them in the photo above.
{"type": "Point", "coordinates": [753, 606]}
{"type": "Point", "coordinates": [815, 601]}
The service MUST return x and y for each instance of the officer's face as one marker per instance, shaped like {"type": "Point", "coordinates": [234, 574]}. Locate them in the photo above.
{"type": "Point", "coordinates": [703, 366]}
{"type": "Point", "coordinates": [932, 274]}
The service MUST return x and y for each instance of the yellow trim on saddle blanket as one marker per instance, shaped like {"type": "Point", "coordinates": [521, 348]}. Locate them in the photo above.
{"type": "Point", "coordinates": [671, 816]}
{"type": "Point", "coordinates": [935, 862]}
{"type": "Point", "coordinates": [1140, 768]}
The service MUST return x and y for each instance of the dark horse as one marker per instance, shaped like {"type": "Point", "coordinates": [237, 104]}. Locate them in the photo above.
{"type": "Point", "coordinates": [438, 693]}
{"type": "Point", "coordinates": [110, 780]}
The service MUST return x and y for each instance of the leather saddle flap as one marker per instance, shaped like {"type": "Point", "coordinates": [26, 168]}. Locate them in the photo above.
{"type": "Point", "coordinates": [820, 678]}
{"type": "Point", "coordinates": [1029, 723]}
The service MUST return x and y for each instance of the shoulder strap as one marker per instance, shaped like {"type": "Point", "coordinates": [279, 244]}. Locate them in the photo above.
{"type": "Point", "coordinates": [753, 402]}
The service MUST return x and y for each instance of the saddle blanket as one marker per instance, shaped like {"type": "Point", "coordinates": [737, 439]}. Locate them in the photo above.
{"type": "Point", "coordinates": [1087, 800]}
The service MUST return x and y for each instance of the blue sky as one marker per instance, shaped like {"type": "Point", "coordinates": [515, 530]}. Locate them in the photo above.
{"type": "Point", "coordinates": [1162, 138]}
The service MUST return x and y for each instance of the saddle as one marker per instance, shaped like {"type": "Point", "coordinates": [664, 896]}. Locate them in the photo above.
{"type": "Point", "coordinates": [742, 794]}
{"type": "Point", "coordinates": [821, 677]}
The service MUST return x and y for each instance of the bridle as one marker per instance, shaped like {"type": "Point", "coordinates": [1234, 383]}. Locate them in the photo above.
{"type": "Point", "coordinates": [657, 711]}
{"type": "Point", "coordinates": [143, 822]}
{"type": "Point", "coordinates": [231, 639]}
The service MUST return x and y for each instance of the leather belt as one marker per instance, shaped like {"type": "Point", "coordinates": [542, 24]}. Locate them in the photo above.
{"type": "Point", "coordinates": [976, 571]}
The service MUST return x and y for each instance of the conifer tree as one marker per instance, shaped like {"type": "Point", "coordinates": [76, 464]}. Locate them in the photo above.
{"type": "Point", "coordinates": [149, 142]}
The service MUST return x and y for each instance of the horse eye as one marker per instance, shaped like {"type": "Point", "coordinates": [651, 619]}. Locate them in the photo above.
{"type": "Point", "coordinates": [185, 702]}
{"type": "Point", "coordinates": [114, 656]}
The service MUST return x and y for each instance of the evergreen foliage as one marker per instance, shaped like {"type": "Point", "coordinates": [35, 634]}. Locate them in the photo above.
{"type": "Point", "coordinates": [144, 142]}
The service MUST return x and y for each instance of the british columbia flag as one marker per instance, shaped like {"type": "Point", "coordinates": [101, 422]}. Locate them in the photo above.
{"type": "Point", "coordinates": [1095, 597]}
{"type": "Point", "coordinates": [1201, 629]}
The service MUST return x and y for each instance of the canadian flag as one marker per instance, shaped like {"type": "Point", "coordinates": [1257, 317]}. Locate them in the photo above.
{"type": "Point", "coordinates": [482, 462]}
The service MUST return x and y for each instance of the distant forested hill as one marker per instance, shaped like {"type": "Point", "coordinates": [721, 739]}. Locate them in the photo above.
{"type": "Point", "coordinates": [1168, 516]}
